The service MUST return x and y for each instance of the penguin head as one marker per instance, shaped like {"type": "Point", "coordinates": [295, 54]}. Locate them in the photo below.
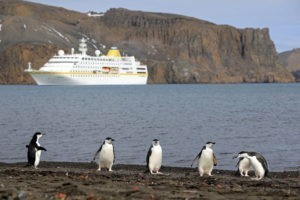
{"type": "Point", "coordinates": [209, 144]}
{"type": "Point", "coordinates": [155, 142]}
{"type": "Point", "coordinates": [109, 140]}
{"type": "Point", "coordinates": [242, 154]}
{"type": "Point", "coordinates": [37, 136]}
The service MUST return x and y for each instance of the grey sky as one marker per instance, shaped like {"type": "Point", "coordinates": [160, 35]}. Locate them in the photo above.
{"type": "Point", "coordinates": [282, 17]}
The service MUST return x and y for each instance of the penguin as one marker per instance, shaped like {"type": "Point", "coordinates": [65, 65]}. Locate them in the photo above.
{"type": "Point", "coordinates": [34, 150]}
{"type": "Point", "coordinates": [206, 159]}
{"type": "Point", "coordinates": [243, 166]}
{"type": "Point", "coordinates": [106, 154]}
{"type": "Point", "coordinates": [154, 157]}
{"type": "Point", "coordinates": [258, 163]}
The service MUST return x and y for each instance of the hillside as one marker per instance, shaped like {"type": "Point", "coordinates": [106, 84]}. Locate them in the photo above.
{"type": "Point", "coordinates": [291, 60]}
{"type": "Point", "coordinates": [177, 49]}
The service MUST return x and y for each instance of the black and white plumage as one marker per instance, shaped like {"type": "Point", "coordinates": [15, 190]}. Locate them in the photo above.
{"type": "Point", "coordinates": [34, 150]}
{"type": "Point", "coordinates": [257, 162]}
{"type": "Point", "coordinates": [106, 154]}
{"type": "Point", "coordinates": [243, 166]}
{"type": "Point", "coordinates": [154, 157]}
{"type": "Point", "coordinates": [206, 159]}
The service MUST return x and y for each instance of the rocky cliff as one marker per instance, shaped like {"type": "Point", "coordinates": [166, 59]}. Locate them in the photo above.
{"type": "Point", "coordinates": [177, 49]}
{"type": "Point", "coordinates": [291, 60]}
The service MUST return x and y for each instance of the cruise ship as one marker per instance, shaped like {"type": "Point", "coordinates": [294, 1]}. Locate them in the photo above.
{"type": "Point", "coordinates": [83, 69]}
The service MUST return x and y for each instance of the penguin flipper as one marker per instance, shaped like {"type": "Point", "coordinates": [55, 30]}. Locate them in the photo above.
{"type": "Point", "coordinates": [41, 148]}
{"type": "Point", "coordinates": [148, 156]}
{"type": "Point", "coordinates": [238, 163]}
{"type": "Point", "coordinates": [199, 155]}
{"type": "Point", "coordinates": [214, 160]}
{"type": "Point", "coordinates": [97, 152]}
{"type": "Point", "coordinates": [114, 154]}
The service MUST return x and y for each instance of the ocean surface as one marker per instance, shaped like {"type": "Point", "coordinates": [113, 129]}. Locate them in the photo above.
{"type": "Point", "coordinates": [76, 119]}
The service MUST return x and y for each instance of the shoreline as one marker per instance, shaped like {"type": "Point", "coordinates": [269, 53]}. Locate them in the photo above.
{"type": "Point", "coordinates": [76, 180]}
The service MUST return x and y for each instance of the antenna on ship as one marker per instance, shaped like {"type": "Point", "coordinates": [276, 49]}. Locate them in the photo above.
{"type": "Point", "coordinates": [82, 46]}
{"type": "Point", "coordinates": [29, 67]}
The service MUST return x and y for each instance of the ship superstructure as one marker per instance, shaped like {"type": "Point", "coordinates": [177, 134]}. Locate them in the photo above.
{"type": "Point", "coordinates": [83, 69]}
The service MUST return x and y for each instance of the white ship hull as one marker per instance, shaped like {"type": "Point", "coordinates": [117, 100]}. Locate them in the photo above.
{"type": "Point", "coordinates": [97, 79]}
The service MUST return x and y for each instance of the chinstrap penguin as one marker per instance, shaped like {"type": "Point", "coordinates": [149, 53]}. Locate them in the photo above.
{"type": "Point", "coordinates": [106, 155]}
{"type": "Point", "coordinates": [243, 166]}
{"type": "Point", "coordinates": [206, 159]}
{"type": "Point", "coordinates": [258, 163]}
{"type": "Point", "coordinates": [154, 157]}
{"type": "Point", "coordinates": [34, 150]}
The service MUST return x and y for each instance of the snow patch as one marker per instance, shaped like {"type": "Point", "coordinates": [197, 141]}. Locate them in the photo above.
{"type": "Point", "coordinates": [51, 29]}
{"type": "Point", "coordinates": [95, 46]}
{"type": "Point", "coordinates": [103, 46]}
{"type": "Point", "coordinates": [94, 14]}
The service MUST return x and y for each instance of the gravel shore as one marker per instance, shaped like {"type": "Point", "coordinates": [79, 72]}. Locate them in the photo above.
{"type": "Point", "coordinates": [64, 180]}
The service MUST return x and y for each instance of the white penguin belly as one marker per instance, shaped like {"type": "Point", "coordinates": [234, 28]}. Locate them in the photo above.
{"type": "Point", "coordinates": [155, 159]}
{"type": "Point", "coordinates": [37, 157]}
{"type": "Point", "coordinates": [206, 160]}
{"type": "Point", "coordinates": [244, 164]}
{"type": "Point", "coordinates": [258, 168]}
{"type": "Point", "coordinates": [106, 156]}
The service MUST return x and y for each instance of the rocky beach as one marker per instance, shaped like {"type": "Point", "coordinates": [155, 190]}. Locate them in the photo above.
{"type": "Point", "coordinates": [65, 180]}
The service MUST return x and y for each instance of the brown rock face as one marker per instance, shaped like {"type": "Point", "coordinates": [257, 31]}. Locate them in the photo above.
{"type": "Point", "coordinates": [291, 60]}
{"type": "Point", "coordinates": [177, 49]}
{"type": "Point", "coordinates": [15, 59]}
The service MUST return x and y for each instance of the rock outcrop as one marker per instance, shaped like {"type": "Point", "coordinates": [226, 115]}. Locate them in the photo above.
{"type": "Point", "coordinates": [291, 60]}
{"type": "Point", "coordinates": [177, 49]}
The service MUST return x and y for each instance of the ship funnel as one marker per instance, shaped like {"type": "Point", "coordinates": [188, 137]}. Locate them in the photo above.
{"type": "Point", "coordinates": [114, 52]}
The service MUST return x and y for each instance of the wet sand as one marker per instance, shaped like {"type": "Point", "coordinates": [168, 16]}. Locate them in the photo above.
{"type": "Point", "coordinates": [63, 180]}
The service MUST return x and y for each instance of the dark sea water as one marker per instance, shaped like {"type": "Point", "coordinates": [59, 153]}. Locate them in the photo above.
{"type": "Point", "coordinates": [76, 120]}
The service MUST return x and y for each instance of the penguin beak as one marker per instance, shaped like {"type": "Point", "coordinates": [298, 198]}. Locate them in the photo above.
{"type": "Point", "coordinates": [234, 156]}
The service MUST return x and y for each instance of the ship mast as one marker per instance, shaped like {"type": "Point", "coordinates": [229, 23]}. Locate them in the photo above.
{"type": "Point", "coordinates": [82, 46]}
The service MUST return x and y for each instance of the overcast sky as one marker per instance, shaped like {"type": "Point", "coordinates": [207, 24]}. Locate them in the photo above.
{"type": "Point", "coordinates": [282, 17]}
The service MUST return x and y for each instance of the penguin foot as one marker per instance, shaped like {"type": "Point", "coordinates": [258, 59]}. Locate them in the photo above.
{"type": "Point", "coordinates": [110, 170]}
{"type": "Point", "coordinates": [157, 172]}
